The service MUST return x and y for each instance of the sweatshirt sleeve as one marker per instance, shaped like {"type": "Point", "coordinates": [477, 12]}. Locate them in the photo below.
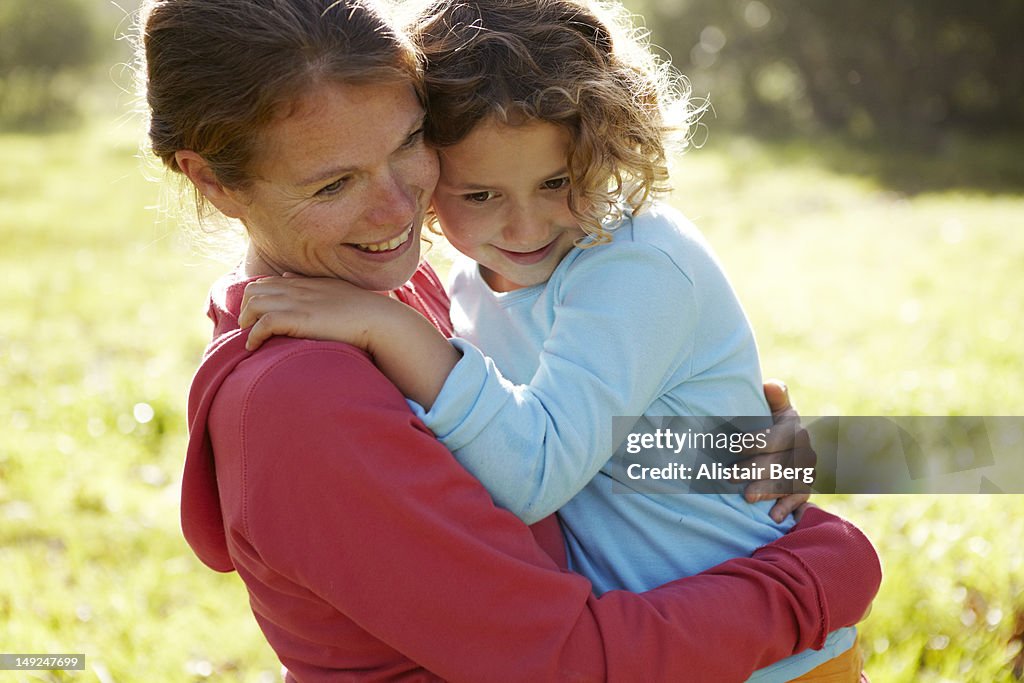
{"type": "Point", "coordinates": [625, 322]}
{"type": "Point", "coordinates": [349, 496]}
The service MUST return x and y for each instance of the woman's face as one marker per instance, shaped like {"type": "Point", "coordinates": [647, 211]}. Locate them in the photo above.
{"type": "Point", "coordinates": [341, 186]}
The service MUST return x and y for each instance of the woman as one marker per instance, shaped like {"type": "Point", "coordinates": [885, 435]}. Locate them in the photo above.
{"type": "Point", "coordinates": [366, 550]}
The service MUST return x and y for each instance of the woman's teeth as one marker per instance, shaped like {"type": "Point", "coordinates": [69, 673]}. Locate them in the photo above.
{"type": "Point", "coordinates": [389, 245]}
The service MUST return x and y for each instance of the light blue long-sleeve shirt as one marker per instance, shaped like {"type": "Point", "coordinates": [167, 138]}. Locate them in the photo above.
{"type": "Point", "coordinates": [646, 325]}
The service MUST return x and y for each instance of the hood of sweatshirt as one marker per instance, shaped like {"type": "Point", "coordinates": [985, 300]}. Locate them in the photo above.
{"type": "Point", "coordinates": [202, 520]}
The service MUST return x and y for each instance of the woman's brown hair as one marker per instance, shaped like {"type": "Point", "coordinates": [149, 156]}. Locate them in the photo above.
{"type": "Point", "coordinates": [216, 72]}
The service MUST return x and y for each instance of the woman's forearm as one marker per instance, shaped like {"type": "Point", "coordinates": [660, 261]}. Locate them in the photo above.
{"type": "Point", "coordinates": [382, 524]}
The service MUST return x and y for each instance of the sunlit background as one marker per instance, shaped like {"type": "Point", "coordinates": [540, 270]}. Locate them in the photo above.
{"type": "Point", "coordinates": [860, 178]}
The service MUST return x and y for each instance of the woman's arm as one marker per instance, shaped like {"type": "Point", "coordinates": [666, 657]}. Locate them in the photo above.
{"type": "Point", "coordinates": [356, 501]}
{"type": "Point", "coordinates": [786, 444]}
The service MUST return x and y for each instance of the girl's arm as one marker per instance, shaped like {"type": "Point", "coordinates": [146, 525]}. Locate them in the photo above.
{"type": "Point", "coordinates": [626, 316]}
{"type": "Point", "coordinates": [549, 453]}
{"type": "Point", "coordinates": [404, 345]}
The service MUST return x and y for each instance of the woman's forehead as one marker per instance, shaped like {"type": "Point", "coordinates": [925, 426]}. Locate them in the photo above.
{"type": "Point", "coordinates": [355, 125]}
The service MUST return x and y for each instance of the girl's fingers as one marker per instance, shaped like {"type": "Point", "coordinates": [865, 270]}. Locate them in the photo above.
{"type": "Point", "coordinates": [269, 324]}
{"type": "Point", "coordinates": [247, 317]}
{"type": "Point", "coordinates": [254, 305]}
{"type": "Point", "coordinates": [258, 334]}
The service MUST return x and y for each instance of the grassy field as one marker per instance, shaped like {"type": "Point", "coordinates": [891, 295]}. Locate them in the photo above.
{"type": "Point", "coordinates": [878, 284]}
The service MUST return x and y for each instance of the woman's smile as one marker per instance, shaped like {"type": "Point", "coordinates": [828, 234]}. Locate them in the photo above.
{"type": "Point", "coordinates": [388, 246]}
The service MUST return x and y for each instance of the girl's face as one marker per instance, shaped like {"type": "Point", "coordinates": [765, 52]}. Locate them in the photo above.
{"type": "Point", "coordinates": [342, 185]}
{"type": "Point", "coordinates": [502, 200]}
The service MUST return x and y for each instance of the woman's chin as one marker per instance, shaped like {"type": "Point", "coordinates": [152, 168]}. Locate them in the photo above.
{"type": "Point", "coordinates": [382, 272]}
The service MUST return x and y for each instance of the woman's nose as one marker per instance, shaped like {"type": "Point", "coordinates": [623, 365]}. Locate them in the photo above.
{"type": "Point", "coordinates": [394, 201]}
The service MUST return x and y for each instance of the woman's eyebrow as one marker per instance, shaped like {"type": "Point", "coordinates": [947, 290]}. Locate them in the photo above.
{"type": "Point", "coordinates": [326, 174]}
{"type": "Point", "coordinates": [335, 171]}
{"type": "Point", "coordinates": [420, 121]}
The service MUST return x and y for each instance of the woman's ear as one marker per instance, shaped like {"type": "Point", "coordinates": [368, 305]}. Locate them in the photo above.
{"type": "Point", "coordinates": [202, 176]}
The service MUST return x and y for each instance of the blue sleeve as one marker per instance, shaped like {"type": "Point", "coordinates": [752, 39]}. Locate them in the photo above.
{"type": "Point", "coordinates": [624, 326]}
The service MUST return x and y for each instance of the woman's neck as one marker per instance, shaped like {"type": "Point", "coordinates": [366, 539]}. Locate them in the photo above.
{"type": "Point", "coordinates": [255, 265]}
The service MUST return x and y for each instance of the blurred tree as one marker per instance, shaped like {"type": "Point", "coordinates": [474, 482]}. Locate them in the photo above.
{"type": "Point", "coordinates": [42, 42]}
{"type": "Point", "coordinates": [888, 69]}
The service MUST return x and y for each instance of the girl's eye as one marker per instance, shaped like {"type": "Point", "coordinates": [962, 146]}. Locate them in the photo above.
{"type": "Point", "coordinates": [478, 197]}
{"type": "Point", "coordinates": [557, 183]}
{"type": "Point", "coordinates": [332, 189]}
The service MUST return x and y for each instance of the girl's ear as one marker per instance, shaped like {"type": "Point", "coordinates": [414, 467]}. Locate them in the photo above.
{"type": "Point", "coordinates": [202, 176]}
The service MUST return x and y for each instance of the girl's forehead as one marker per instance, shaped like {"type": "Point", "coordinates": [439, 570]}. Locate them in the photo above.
{"type": "Point", "coordinates": [496, 151]}
{"type": "Point", "coordinates": [491, 137]}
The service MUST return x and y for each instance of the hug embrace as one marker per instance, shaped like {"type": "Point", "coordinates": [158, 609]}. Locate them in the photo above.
{"type": "Point", "coordinates": [419, 484]}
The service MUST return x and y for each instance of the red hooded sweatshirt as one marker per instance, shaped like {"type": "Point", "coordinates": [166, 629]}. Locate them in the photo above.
{"type": "Point", "coordinates": [369, 553]}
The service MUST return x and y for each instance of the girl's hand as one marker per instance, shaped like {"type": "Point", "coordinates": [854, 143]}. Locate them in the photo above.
{"type": "Point", "coordinates": [788, 445]}
{"type": "Point", "coordinates": [311, 308]}
{"type": "Point", "coordinates": [403, 344]}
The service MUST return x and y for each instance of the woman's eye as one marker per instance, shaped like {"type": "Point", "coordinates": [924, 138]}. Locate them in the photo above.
{"type": "Point", "coordinates": [478, 197]}
{"type": "Point", "coordinates": [557, 183]}
{"type": "Point", "coordinates": [333, 188]}
{"type": "Point", "coordinates": [414, 139]}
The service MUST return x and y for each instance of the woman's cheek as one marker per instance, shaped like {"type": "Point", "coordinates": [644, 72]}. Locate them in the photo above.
{"type": "Point", "coordinates": [427, 169]}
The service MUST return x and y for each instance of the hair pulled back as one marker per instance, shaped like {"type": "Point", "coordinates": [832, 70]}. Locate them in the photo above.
{"type": "Point", "coordinates": [218, 71]}
{"type": "Point", "coordinates": [578, 64]}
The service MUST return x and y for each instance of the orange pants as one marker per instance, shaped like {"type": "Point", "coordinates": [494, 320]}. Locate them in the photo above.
{"type": "Point", "coordinates": [846, 668]}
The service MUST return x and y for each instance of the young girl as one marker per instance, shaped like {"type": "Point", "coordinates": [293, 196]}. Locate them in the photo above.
{"type": "Point", "coordinates": [593, 299]}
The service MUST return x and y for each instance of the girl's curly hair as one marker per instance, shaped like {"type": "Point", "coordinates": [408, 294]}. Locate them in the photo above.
{"type": "Point", "coordinates": [578, 64]}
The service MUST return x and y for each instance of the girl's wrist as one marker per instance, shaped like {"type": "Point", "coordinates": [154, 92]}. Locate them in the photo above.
{"type": "Point", "coordinates": [389, 320]}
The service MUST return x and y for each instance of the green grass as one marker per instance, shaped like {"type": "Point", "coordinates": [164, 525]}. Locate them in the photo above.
{"type": "Point", "coordinates": [869, 295]}
{"type": "Point", "coordinates": [867, 300]}
{"type": "Point", "coordinates": [103, 325]}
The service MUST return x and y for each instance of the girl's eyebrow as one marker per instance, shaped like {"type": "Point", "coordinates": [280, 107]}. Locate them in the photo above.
{"type": "Point", "coordinates": [471, 187]}
{"type": "Point", "coordinates": [476, 187]}
{"type": "Point", "coordinates": [557, 174]}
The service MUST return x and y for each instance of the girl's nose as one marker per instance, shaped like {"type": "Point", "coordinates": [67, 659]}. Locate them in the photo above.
{"type": "Point", "coordinates": [526, 228]}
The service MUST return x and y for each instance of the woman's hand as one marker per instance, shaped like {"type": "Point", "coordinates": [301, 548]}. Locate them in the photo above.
{"type": "Point", "coordinates": [788, 445]}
